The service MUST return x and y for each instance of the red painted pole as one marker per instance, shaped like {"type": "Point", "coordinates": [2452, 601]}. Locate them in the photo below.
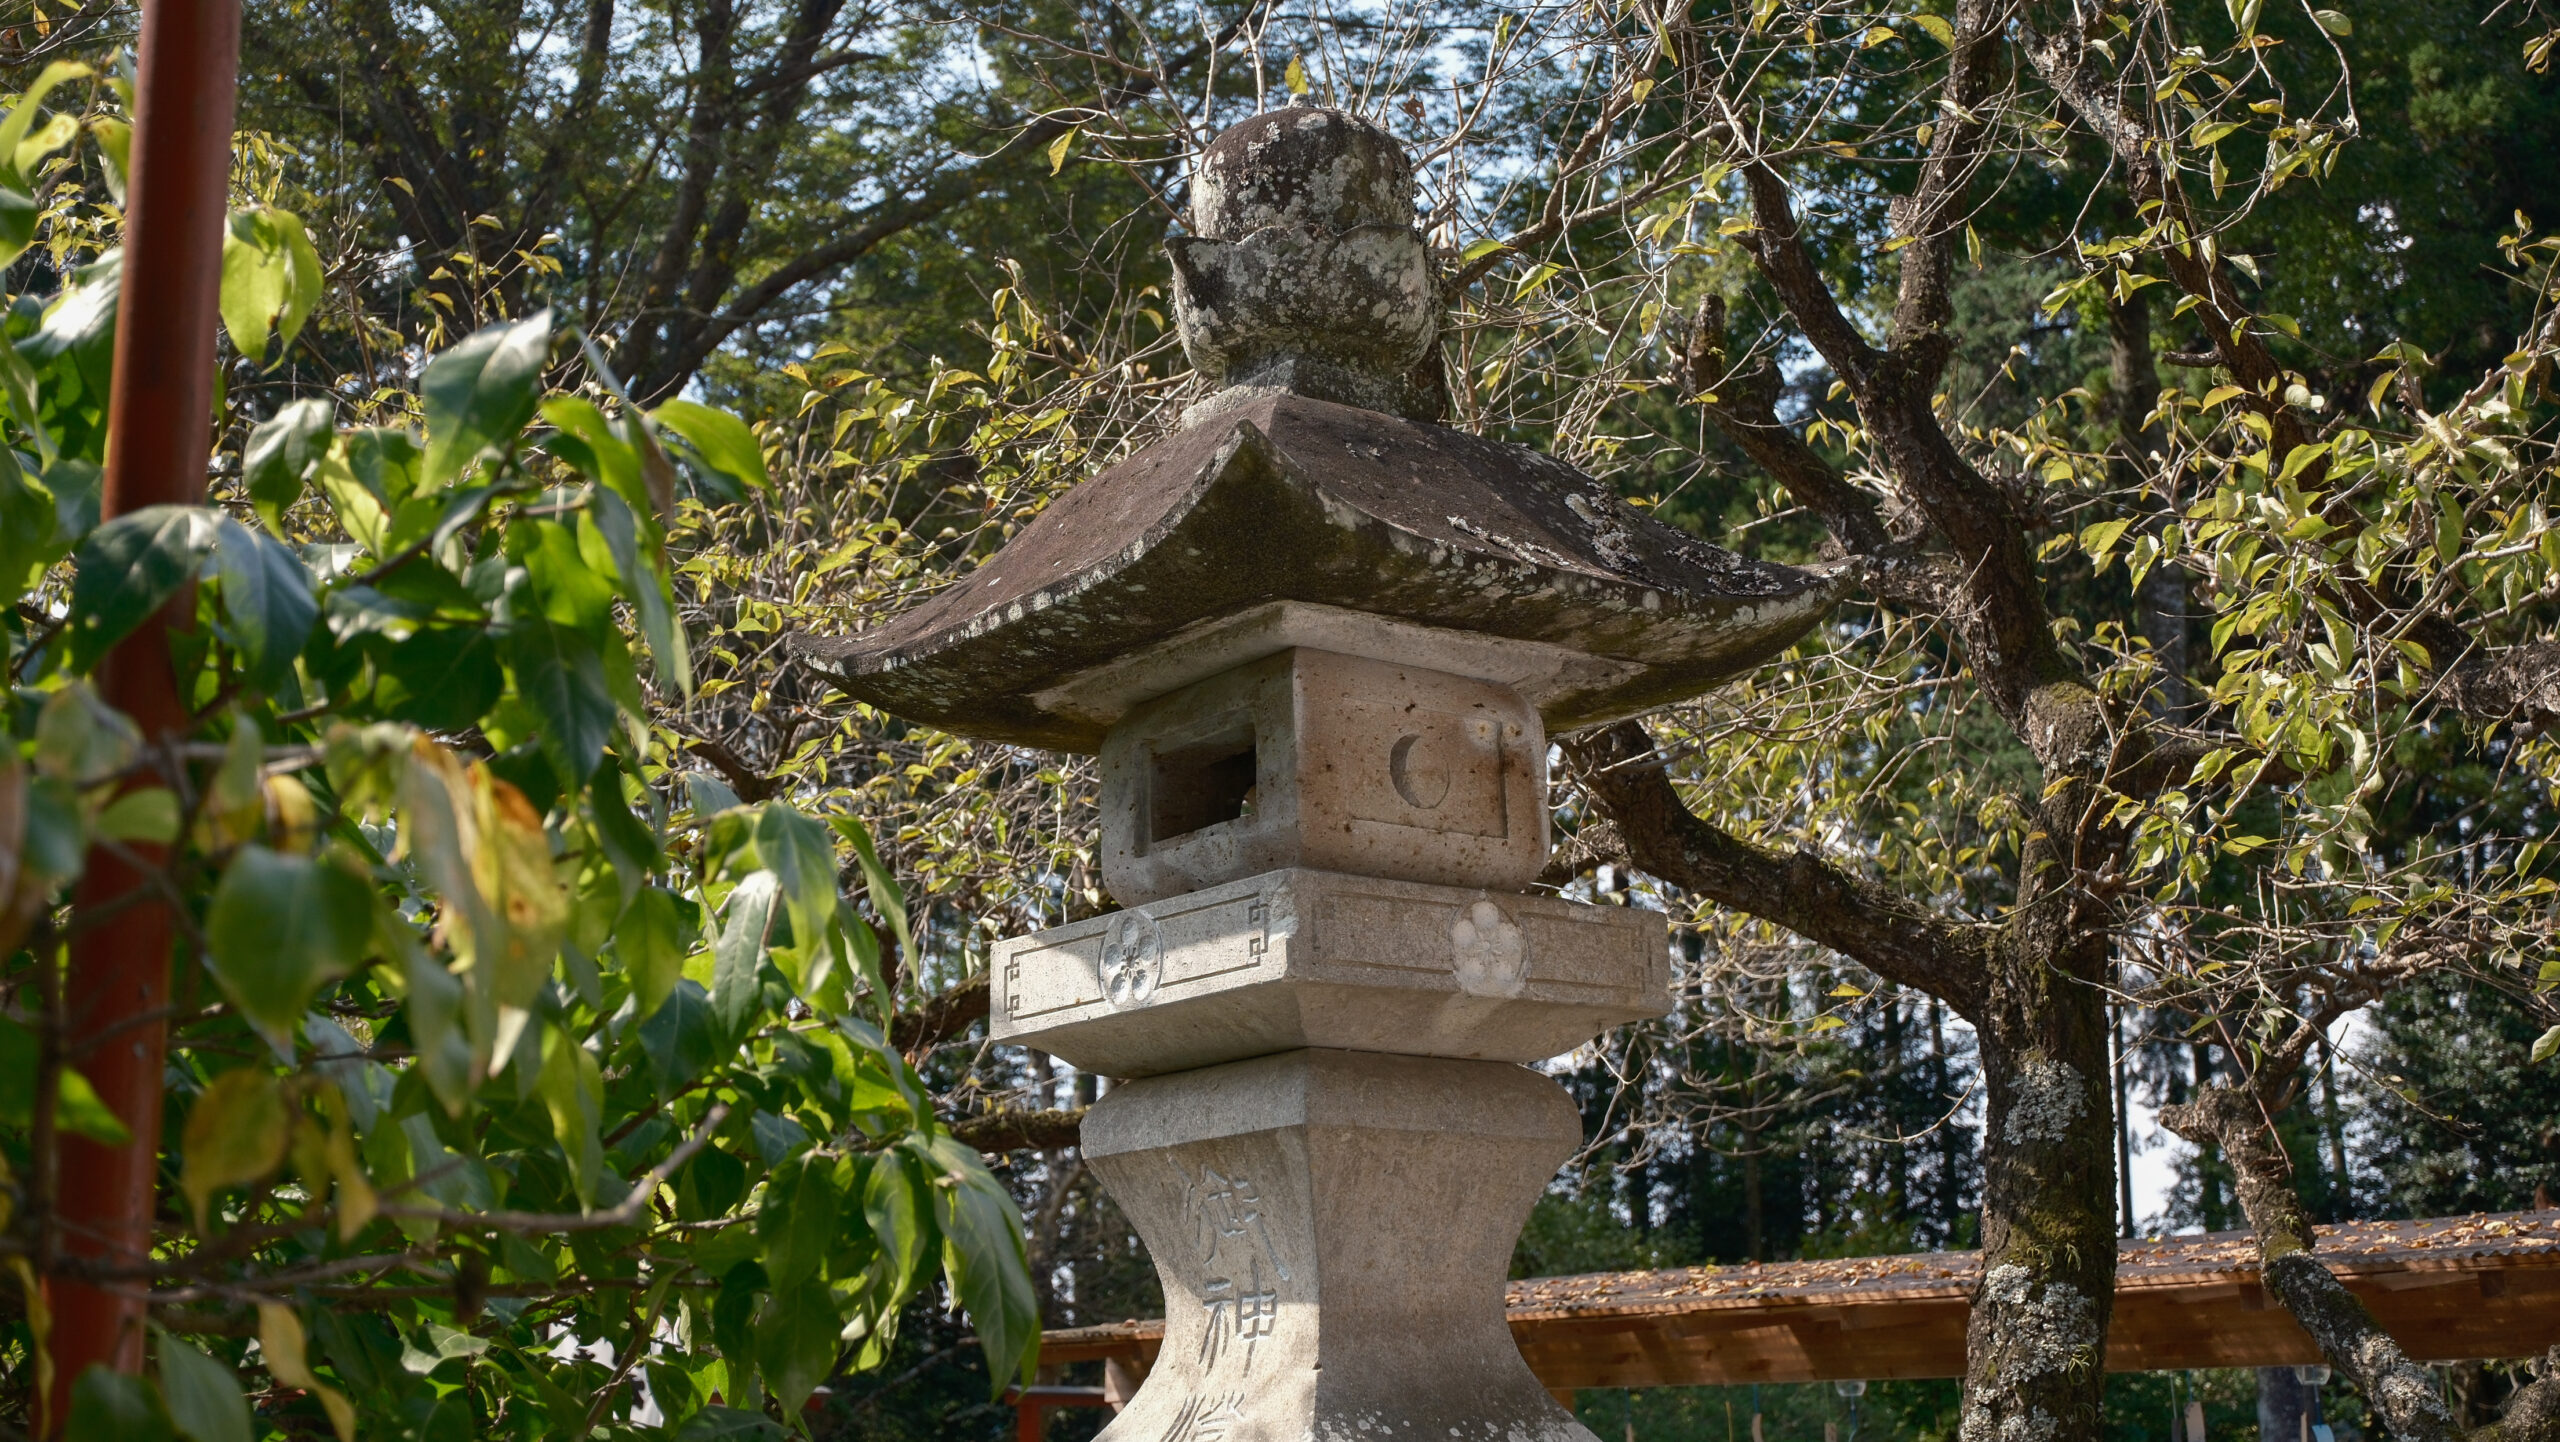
{"type": "Point", "coordinates": [159, 436]}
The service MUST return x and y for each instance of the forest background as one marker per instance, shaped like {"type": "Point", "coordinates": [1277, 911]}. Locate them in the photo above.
{"type": "Point", "coordinates": [919, 247]}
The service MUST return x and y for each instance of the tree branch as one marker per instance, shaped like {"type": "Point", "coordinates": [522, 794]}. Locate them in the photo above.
{"type": "Point", "coordinates": [1018, 1131]}
{"type": "Point", "coordinates": [1880, 929]}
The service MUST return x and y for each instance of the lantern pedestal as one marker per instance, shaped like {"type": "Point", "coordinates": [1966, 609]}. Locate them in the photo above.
{"type": "Point", "coordinates": [1333, 1230]}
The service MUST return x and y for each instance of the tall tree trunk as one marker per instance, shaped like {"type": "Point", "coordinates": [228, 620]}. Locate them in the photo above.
{"type": "Point", "coordinates": [2035, 1347]}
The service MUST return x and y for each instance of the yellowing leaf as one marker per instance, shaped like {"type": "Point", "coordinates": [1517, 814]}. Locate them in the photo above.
{"type": "Point", "coordinates": [1059, 147]}
{"type": "Point", "coordinates": [280, 1338]}
{"type": "Point", "coordinates": [1939, 30]}
{"type": "Point", "coordinates": [235, 1135]}
{"type": "Point", "coordinates": [1295, 77]}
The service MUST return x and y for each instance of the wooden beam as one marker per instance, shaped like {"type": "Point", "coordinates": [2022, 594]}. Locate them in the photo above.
{"type": "Point", "coordinates": [2450, 1289]}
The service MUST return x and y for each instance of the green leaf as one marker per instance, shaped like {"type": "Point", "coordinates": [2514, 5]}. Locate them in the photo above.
{"type": "Point", "coordinates": [80, 322]}
{"type": "Point", "coordinates": [983, 1258]}
{"type": "Point", "coordinates": [736, 995]}
{"type": "Point", "coordinates": [204, 1398]}
{"type": "Point", "coordinates": [722, 441]}
{"type": "Point", "coordinates": [22, 116]}
{"type": "Point", "coordinates": [893, 1202]}
{"type": "Point", "coordinates": [650, 945]}
{"type": "Point", "coordinates": [560, 674]}
{"type": "Point", "coordinates": [271, 278]}
{"type": "Point", "coordinates": [796, 1342]}
{"type": "Point", "coordinates": [235, 1135]}
{"type": "Point", "coordinates": [2547, 1045]}
{"type": "Point", "coordinates": [77, 1108]}
{"type": "Point", "coordinates": [572, 1087]}
{"type": "Point", "coordinates": [797, 1222]}
{"type": "Point", "coordinates": [18, 208]}
{"type": "Point", "coordinates": [280, 926]}
{"type": "Point", "coordinates": [680, 1038]}
{"type": "Point", "coordinates": [2333, 22]}
{"type": "Point", "coordinates": [282, 453]}
{"type": "Point", "coordinates": [620, 526]}
{"type": "Point", "coordinates": [147, 814]}
{"type": "Point", "coordinates": [480, 395]}
{"type": "Point", "coordinates": [30, 537]}
{"type": "Point", "coordinates": [131, 567]}
{"type": "Point", "coordinates": [442, 677]}
{"type": "Point", "coordinates": [887, 897]}
{"type": "Point", "coordinates": [796, 849]}
{"type": "Point", "coordinates": [113, 1407]}
{"type": "Point", "coordinates": [266, 594]}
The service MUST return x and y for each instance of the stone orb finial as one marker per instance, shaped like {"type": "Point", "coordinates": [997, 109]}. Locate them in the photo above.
{"type": "Point", "coordinates": [1304, 272]}
{"type": "Point", "coordinates": [1300, 166]}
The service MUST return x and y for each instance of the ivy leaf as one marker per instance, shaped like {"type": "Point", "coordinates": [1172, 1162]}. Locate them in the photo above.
{"type": "Point", "coordinates": [480, 395]}
{"type": "Point", "coordinates": [281, 454]}
{"type": "Point", "coordinates": [131, 567]}
{"type": "Point", "coordinates": [280, 926]}
{"type": "Point", "coordinates": [235, 1135]}
{"type": "Point", "coordinates": [266, 593]}
{"type": "Point", "coordinates": [271, 278]}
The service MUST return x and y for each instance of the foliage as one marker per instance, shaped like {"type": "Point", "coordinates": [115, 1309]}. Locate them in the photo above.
{"type": "Point", "coordinates": [511, 1064]}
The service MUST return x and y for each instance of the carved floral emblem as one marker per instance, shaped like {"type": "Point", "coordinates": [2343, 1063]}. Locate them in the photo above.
{"type": "Point", "coordinates": [1491, 955]}
{"type": "Point", "coordinates": [1132, 959]}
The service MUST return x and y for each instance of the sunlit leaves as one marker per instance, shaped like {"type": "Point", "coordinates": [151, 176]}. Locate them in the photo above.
{"type": "Point", "coordinates": [271, 279]}
{"type": "Point", "coordinates": [479, 395]}
{"type": "Point", "coordinates": [721, 441]}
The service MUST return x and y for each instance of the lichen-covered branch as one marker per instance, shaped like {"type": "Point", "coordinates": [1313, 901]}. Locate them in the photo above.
{"type": "Point", "coordinates": [2403, 1393]}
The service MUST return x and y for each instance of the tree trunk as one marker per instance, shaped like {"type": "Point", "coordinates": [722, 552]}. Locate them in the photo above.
{"type": "Point", "coordinates": [2284, 1406]}
{"type": "Point", "coordinates": [2035, 1347]}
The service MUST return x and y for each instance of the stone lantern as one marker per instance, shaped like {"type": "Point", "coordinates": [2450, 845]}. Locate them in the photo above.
{"type": "Point", "coordinates": [1321, 646]}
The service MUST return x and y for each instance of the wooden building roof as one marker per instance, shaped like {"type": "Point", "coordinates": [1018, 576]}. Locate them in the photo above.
{"type": "Point", "coordinates": [2448, 1288]}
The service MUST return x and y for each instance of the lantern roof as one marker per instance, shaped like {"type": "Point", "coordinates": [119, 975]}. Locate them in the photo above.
{"type": "Point", "coordinates": [1310, 502]}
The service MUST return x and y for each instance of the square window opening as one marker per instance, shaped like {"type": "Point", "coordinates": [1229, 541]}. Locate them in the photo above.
{"type": "Point", "coordinates": [1202, 784]}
